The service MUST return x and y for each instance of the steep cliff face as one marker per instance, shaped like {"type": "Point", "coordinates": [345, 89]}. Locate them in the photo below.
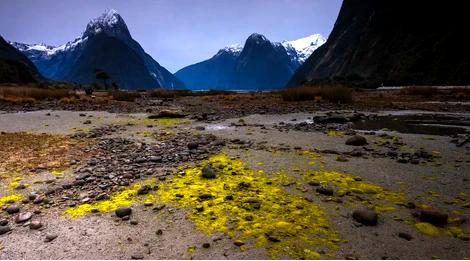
{"type": "Point", "coordinates": [14, 66]}
{"type": "Point", "coordinates": [393, 42]}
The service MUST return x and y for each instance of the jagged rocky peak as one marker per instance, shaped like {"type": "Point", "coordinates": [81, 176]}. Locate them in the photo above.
{"type": "Point", "coordinates": [110, 22]}
{"type": "Point", "coordinates": [256, 38]}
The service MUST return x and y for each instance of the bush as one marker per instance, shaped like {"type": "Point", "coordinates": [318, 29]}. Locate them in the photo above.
{"type": "Point", "coordinates": [331, 93]}
{"type": "Point", "coordinates": [125, 96]}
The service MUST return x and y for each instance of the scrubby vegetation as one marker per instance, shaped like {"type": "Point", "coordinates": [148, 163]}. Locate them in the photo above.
{"type": "Point", "coordinates": [426, 91]}
{"type": "Point", "coordinates": [331, 93]}
{"type": "Point", "coordinates": [26, 94]}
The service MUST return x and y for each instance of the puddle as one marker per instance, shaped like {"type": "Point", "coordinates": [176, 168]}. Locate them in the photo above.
{"type": "Point", "coordinates": [217, 127]}
{"type": "Point", "coordinates": [428, 124]}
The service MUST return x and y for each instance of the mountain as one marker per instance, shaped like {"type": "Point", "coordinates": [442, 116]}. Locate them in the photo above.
{"type": "Point", "coordinates": [393, 42]}
{"type": "Point", "coordinates": [258, 65]}
{"type": "Point", "coordinates": [107, 45]}
{"type": "Point", "coordinates": [15, 67]}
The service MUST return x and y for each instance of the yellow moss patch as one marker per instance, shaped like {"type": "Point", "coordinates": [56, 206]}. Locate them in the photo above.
{"type": "Point", "coordinates": [245, 204]}
{"type": "Point", "coordinates": [10, 199]}
{"type": "Point", "coordinates": [353, 185]}
{"type": "Point", "coordinates": [170, 121]}
{"type": "Point", "coordinates": [123, 198]}
{"type": "Point", "coordinates": [427, 229]}
{"type": "Point", "coordinates": [14, 184]}
{"type": "Point", "coordinates": [335, 133]}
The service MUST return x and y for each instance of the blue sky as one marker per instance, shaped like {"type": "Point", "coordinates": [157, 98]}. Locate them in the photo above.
{"type": "Point", "coordinates": [175, 33]}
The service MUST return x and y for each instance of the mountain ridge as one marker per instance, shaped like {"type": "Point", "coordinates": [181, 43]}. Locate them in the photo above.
{"type": "Point", "coordinates": [222, 71]}
{"type": "Point", "coordinates": [64, 62]}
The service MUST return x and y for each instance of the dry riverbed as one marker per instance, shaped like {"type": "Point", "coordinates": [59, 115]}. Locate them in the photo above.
{"type": "Point", "coordinates": [100, 185]}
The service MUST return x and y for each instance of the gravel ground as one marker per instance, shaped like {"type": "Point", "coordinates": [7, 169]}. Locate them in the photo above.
{"type": "Point", "coordinates": [433, 181]}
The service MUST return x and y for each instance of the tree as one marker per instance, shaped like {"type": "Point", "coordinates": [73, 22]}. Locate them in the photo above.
{"type": "Point", "coordinates": [102, 75]}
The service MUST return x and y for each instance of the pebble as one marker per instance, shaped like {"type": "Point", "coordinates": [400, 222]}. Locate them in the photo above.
{"type": "Point", "coordinates": [356, 140]}
{"type": "Point", "coordinates": [50, 237]}
{"type": "Point", "coordinates": [23, 217]}
{"type": "Point", "coordinates": [238, 243]}
{"type": "Point", "coordinates": [199, 208]}
{"type": "Point", "coordinates": [405, 235]}
{"type": "Point", "coordinates": [206, 245]}
{"type": "Point", "coordinates": [433, 216]}
{"type": "Point", "coordinates": [365, 216]}
{"type": "Point", "coordinates": [35, 224]}
{"type": "Point", "coordinates": [208, 173]}
{"type": "Point", "coordinates": [3, 222]}
{"type": "Point", "coordinates": [134, 222]}
{"type": "Point", "coordinates": [159, 232]}
{"type": "Point", "coordinates": [12, 209]}
{"type": "Point", "coordinates": [4, 229]}
{"type": "Point", "coordinates": [137, 256]}
{"type": "Point", "coordinates": [325, 191]}
{"type": "Point", "coordinates": [123, 211]}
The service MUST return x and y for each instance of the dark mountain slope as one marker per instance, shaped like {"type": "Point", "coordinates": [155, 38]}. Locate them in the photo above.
{"type": "Point", "coordinates": [14, 66]}
{"type": "Point", "coordinates": [394, 42]}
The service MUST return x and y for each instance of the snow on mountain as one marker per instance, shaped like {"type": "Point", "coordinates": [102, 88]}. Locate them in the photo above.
{"type": "Point", "coordinates": [305, 46]}
{"type": "Point", "coordinates": [298, 50]}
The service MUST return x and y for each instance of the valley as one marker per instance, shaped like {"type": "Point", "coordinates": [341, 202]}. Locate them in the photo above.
{"type": "Point", "coordinates": [288, 179]}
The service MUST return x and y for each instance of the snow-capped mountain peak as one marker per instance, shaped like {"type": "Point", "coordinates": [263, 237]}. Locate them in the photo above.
{"type": "Point", "coordinates": [305, 46]}
{"type": "Point", "coordinates": [109, 22]}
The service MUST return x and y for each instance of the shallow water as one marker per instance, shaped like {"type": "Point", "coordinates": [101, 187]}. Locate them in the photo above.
{"type": "Point", "coordinates": [416, 124]}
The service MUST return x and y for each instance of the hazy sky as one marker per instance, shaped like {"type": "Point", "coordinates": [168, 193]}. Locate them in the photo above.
{"type": "Point", "coordinates": [175, 33]}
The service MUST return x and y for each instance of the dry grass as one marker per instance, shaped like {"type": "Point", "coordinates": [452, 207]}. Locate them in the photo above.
{"type": "Point", "coordinates": [24, 153]}
{"type": "Point", "coordinates": [425, 91]}
{"type": "Point", "coordinates": [125, 96]}
{"type": "Point", "coordinates": [29, 94]}
{"type": "Point", "coordinates": [331, 93]}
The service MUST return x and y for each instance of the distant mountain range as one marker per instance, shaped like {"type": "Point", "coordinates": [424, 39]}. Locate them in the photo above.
{"type": "Point", "coordinates": [259, 64]}
{"type": "Point", "coordinates": [16, 67]}
{"type": "Point", "coordinates": [105, 45]}
{"type": "Point", "coordinates": [393, 42]}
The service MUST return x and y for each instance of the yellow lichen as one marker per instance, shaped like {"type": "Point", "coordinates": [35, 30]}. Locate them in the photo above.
{"type": "Point", "coordinates": [123, 198]}
{"type": "Point", "coordinates": [427, 229]}
{"type": "Point", "coordinates": [245, 204]}
{"type": "Point", "coordinates": [10, 199]}
{"type": "Point", "coordinates": [348, 184]}
{"type": "Point", "coordinates": [335, 133]}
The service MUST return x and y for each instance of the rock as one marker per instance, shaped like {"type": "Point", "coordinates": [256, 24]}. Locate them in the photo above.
{"type": "Point", "coordinates": [4, 229]}
{"type": "Point", "coordinates": [199, 208]}
{"type": "Point", "coordinates": [143, 190]}
{"type": "Point", "coordinates": [405, 235]}
{"type": "Point", "coordinates": [238, 243]}
{"type": "Point", "coordinates": [356, 140]}
{"type": "Point", "coordinates": [314, 183]}
{"type": "Point", "coordinates": [23, 217]}
{"type": "Point", "coordinates": [208, 173]}
{"type": "Point", "coordinates": [12, 209]}
{"type": "Point", "coordinates": [433, 216]}
{"type": "Point", "coordinates": [35, 224]}
{"type": "Point", "coordinates": [325, 191]}
{"type": "Point", "coordinates": [50, 237]}
{"type": "Point", "coordinates": [159, 232]}
{"type": "Point", "coordinates": [341, 159]}
{"type": "Point", "coordinates": [3, 222]}
{"type": "Point", "coordinates": [159, 207]}
{"type": "Point", "coordinates": [206, 245]}
{"type": "Point", "coordinates": [134, 222]}
{"type": "Point", "coordinates": [155, 159]}
{"type": "Point", "coordinates": [123, 211]}
{"type": "Point", "coordinates": [193, 145]}
{"type": "Point", "coordinates": [137, 256]}
{"type": "Point", "coordinates": [351, 257]}
{"type": "Point", "coordinates": [87, 122]}
{"type": "Point", "coordinates": [167, 114]}
{"type": "Point", "coordinates": [365, 216]}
